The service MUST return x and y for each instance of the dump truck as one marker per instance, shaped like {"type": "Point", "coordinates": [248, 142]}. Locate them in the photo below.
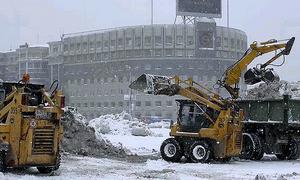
{"type": "Point", "coordinates": [271, 126]}
{"type": "Point", "coordinates": [30, 127]}
{"type": "Point", "coordinates": [209, 126]}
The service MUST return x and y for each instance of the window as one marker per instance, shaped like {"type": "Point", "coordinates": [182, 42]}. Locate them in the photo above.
{"type": "Point", "coordinates": [225, 42]}
{"type": "Point", "coordinates": [92, 104]}
{"type": "Point", "coordinates": [66, 47]}
{"type": "Point", "coordinates": [179, 40]}
{"type": "Point", "coordinates": [147, 103]}
{"type": "Point", "coordinates": [99, 44]}
{"type": "Point", "coordinates": [105, 104]}
{"type": "Point", "coordinates": [78, 105]}
{"type": "Point", "coordinates": [158, 40]}
{"type": "Point", "coordinates": [148, 41]}
{"type": "Point", "coordinates": [120, 104]}
{"type": "Point", "coordinates": [106, 44]}
{"type": "Point", "coordinates": [218, 42]}
{"type": "Point", "coordinates": [158, 52]}
{"type": "Point", "coordinates": [157, 103]}
{"type": "Point", "coordinates": [85, 105]}
{"type": "Point", "coordinates": [138, 103]}
{"type": "Point", "coordinates": [232, 43]}
{"type": "Point", "coordinates": [78, 46]}
{"type": "Point", "coordinates": [120, 42]}
{"type": "Point", "coordinates": [99, 104]}
{"type": "Point", "coordinates": [84, 45]}
{"type": "Point", "coordinates": [128, 41]}
{"type": "Point", "coordinates": [190, 40]}
{"type": "Point", "coordinates": [91, 45]}
{"type": "Point", "coordinates": [138, 42]}
{"type": "Point", "coordinates": [169, 40]}
{"type": "Point", "coordinates": [113, 104]}
{"type": "Point", "coordinates": [169, 52]}
{"type": "Point", "coordinates": [72, 47]}
{"type": "Point", "coordinates": [169, 103]}
{"type": "Point", "coordinates": [55, 49]}
{"type": "Point", "coordinates": [112, 43]}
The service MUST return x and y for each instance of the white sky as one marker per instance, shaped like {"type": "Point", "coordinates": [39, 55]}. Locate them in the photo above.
{"type": "Point", "coordinates": [40, 21]}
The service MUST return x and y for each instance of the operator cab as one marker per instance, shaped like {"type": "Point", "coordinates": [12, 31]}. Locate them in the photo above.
{"type": "Point", "coordinates": [191, 116]}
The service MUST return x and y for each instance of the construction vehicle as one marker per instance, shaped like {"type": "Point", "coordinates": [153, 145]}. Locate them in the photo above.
{"type": "Point", "coordinates": [30, 128]}
{"type": "Point", "coordinates": [232, 75]}
{"type": "Point", "coordinates": [209, 126]}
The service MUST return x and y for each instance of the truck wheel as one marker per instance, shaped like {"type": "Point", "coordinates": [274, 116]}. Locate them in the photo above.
{"type": "Point", "coordinates": [199, 151]}
{"type": "Point", "coordinates": [3, 167]}
{"type": "Point", "coordinates": [170, 150]}
{"type": "Point", "coordinates": [45, 170]}
{"type": "Point", "coordinates": [293, 150]}
{"type": "Point", "coordinates": [252, 147]}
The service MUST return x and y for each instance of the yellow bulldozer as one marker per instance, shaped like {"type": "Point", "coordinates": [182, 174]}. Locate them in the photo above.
{"type": "Point", "coordinates": [30, 127]}
{"type": "Point", "coordinates": [209, 126]}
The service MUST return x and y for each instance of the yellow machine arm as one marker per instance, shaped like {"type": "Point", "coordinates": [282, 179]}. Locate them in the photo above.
{"type": "Point", "coordinates": [163, 85]}
{"type": "Point", "coordinates": [232, 75]}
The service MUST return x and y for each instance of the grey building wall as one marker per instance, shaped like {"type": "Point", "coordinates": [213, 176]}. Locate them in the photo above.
{"type": "Point", "coordinates": [99, 66]}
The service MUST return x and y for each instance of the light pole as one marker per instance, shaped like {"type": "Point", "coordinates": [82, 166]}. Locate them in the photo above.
{"type": "Point", "coordinates": [130, 91]}
{"type": "Point", "coordinates": [152, 12]}
{"type": "Point", "coordinates": [228, 13]}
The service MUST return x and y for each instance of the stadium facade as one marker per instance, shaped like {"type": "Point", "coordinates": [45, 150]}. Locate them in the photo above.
{"type": "Point", "coordinates": [98, 66]}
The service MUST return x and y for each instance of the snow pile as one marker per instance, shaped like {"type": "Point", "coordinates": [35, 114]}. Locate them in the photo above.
{"type": "Point", "coordinates": [119, 124]}
{"type": "Point", "coordinates": [126, 132]}
{"type": "Point", "coordinates": [274, 90]}
{"type": "Point", "coordinates": [77, 116]}
{"type": "Point", "coordinates": [81, 139]}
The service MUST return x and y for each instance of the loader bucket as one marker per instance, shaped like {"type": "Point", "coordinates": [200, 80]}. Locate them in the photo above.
{"type": "Point", "coordinates": [289, 46]}
{"type": "Point", "coordinates": [150, 84]}
{"type": "Point", "coordinates": [254, 75]}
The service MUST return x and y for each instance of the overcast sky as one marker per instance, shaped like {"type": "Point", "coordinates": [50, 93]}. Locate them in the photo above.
{"type": "Point", "coordinates": [41, 21]}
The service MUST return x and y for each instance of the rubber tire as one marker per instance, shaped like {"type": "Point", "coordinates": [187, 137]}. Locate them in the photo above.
{"type": "Point", "coordinates": [3, 166]}
{"type": "Point", "coordinates": [256, 152]}
{"type": "Point", "coordinates": [258, 155]}
{"type": "Point", "coordinates": [207, 154]}
{"type": "Point", "coordinates": [178, 150]}
{"type": "Point", "coordinates": [293, 150]}
{"type": "Point", "coordinates": [45, 170]}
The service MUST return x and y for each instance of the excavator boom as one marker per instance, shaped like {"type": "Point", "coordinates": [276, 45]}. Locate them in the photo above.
{"type": "Point", "coordinates": [232, 75]}
{"type": "Point", "coordinates": [171, 86]}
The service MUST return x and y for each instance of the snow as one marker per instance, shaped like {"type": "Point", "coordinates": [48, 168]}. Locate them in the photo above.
{"type": "Point", "coordinates": [119, 129]}
{"type": "Point", "coordinates": [86, 168]}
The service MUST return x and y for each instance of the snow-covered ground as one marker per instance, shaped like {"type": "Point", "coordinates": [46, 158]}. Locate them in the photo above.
{"type": "Point", "coordinates": [140, 145]}
{"type": "Point", "coordinates": [85, 168]}
{"type": "Point", "coordinates": [119, 134]}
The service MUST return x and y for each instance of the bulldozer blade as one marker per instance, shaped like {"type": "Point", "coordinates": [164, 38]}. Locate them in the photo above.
{"type": "Point", "coordinates": [150, 84]}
